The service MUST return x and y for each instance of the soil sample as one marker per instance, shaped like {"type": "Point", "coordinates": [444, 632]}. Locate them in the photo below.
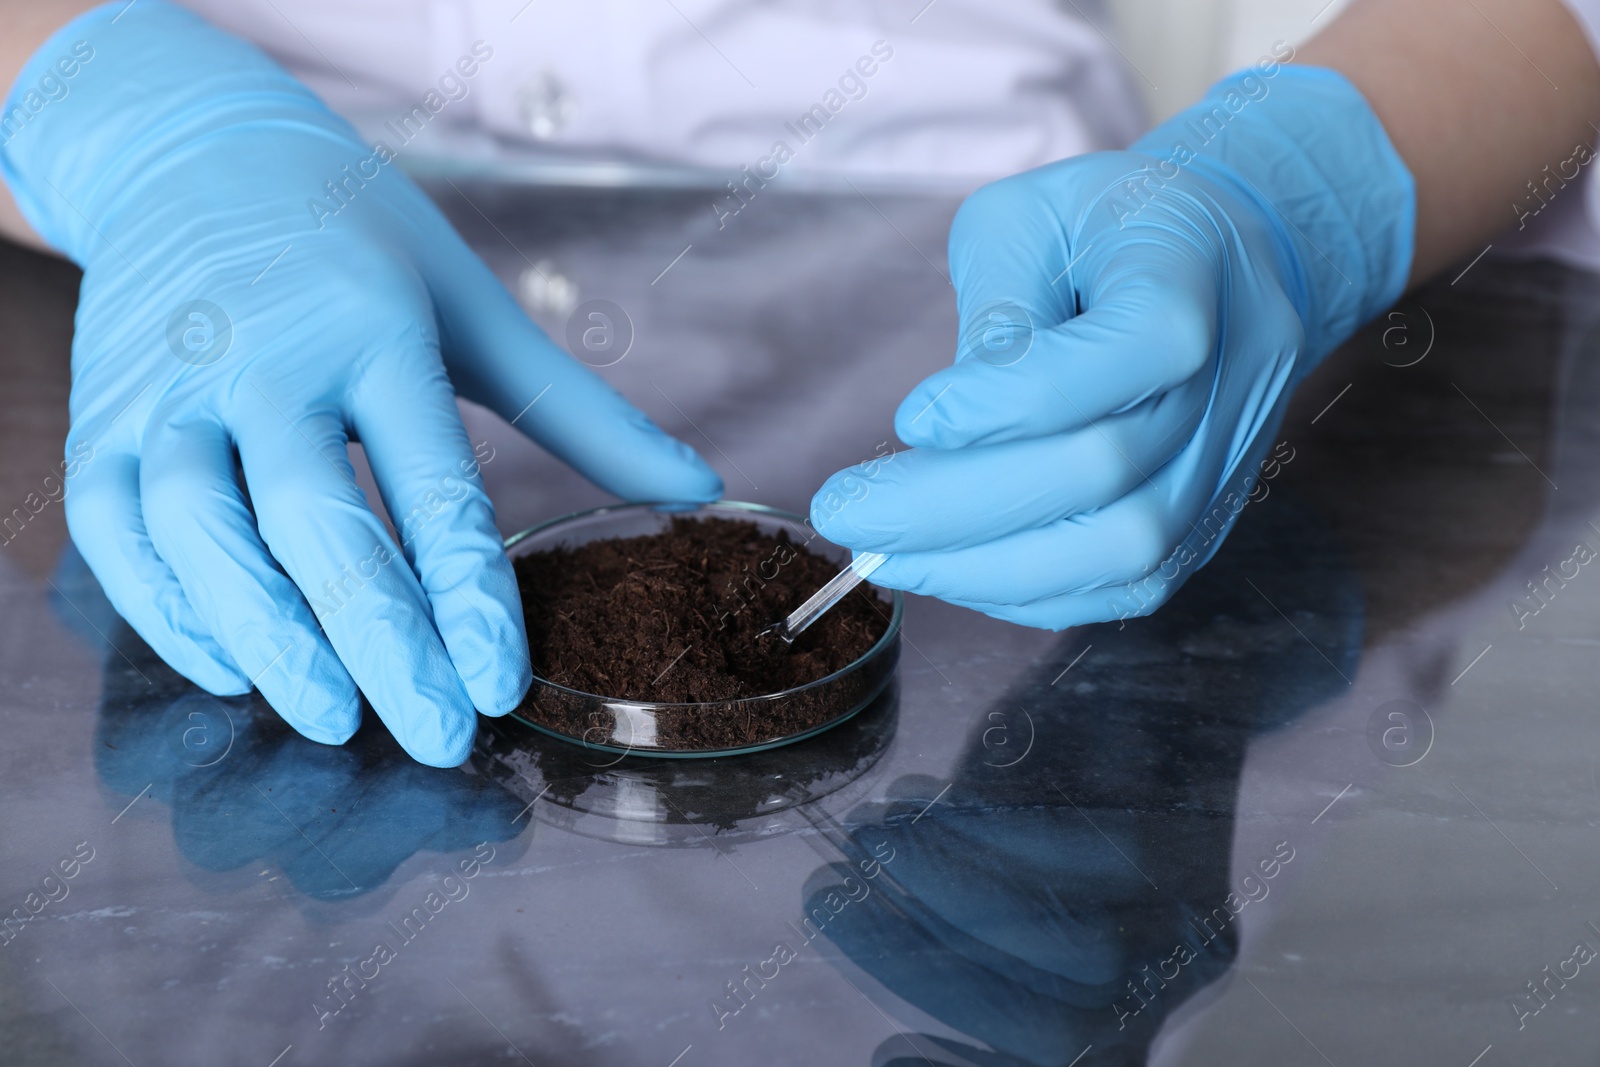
{"type": "Point", "coordinates": [674, 617]}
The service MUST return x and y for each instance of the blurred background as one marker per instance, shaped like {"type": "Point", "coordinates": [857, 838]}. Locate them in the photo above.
{"type": "Point", "coordinates": [688, 94]}
{"type": "Point", "coordinates": [1178, 47]}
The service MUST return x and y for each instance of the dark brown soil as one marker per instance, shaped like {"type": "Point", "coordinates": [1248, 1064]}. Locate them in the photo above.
{"type": "Point", "coordinates": [673, 617]}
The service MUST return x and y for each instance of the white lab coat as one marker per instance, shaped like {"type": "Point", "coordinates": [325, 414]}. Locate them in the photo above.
{"type": "Point", "coordinates": [960, 92]}
{"type": "Point", "coordinates": [970, 90]}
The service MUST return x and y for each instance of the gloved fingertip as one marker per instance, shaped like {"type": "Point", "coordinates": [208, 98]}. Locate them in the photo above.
{"type": "Point", "coordinates": [938, 420]}
{"type": "Point", "coordinates": [326, 733]}
{"type": "Point", "coordinates": [700, 484]}
{"type": "Point", "coordinates": [213, 671]}
{"type": "Point", "coordinates": [215, 678]}
{"type": "Point", "coordinates": [828, 514]}
{"type": "Point", "coordinates": [449, 749]}
{"type": "Point", "coordinates": [329, 718]}
{"type": "Point", "coordinates": [852, 525]}
{"type": "Point", "coordinates": [671, 469]}
{"type": "Point", "coordinates": [915, 421]}
{"type": "Point", "coordinates": [480, 620]}
{"type": "Point", "coordinates": [821, 518]}
{"type": "Point", "coordinates": [498, 690]}
{"type": "Point", "coordinates": [1054, 619]}
{"type": "Point", "coordinates": [893, 573]}
{"type": "Point", "coordinates": [311, 691]}
{"type": "Point", "coordinates": [695, 479]}
{"type": "Point", "coordinates": [194, 653]}
{"type": "Point", "coordinates": [435, 723]}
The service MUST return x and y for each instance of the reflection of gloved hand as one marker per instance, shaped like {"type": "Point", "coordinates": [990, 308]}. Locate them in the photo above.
{"type": "Point", "coordinates": [243, 791]}
{"type": "Point", "coordinates": [1132, 326]}
{"type": "Point", "coordinates": [258, 283]}
{"type": "Point", "coordinates": [1080, 840]}
{"type": "Point", "coordinates": [1017, 926]}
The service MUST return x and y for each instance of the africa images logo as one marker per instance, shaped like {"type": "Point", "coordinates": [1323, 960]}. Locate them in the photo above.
{"type": "Point", "coordinates": [199, 332]}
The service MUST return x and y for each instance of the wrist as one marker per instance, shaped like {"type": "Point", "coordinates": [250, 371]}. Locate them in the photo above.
{"type": "Point", "coordinates": [1304, 146]}
{"type": "Point", "coordinates": [118, 97]}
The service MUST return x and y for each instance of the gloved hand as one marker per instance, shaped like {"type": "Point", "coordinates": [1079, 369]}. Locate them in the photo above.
{"type": "Point", "coordinates": [1132, 325]}
{"type": "Point", "coordinates": [259, 288]}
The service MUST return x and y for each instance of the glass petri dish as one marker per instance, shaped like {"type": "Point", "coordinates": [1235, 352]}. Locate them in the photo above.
{"type": "Point", "coordinates": [641, 728]}
{"type": "Point", "coordinates": [678, 803]}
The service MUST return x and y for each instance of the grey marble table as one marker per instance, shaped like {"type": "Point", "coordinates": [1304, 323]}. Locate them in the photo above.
{"type": "Point", "coordinates": [1337, 803]}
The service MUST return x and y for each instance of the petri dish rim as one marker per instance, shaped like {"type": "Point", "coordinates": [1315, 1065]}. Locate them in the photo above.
{"type": "Point", "coordinates": [885, 644]}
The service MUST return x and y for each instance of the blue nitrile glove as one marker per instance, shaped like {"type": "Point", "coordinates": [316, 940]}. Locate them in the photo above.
{"type": "Point", "coordinates": [1132, 326]}
{"type": "Point", "coordinates": [261, 287]}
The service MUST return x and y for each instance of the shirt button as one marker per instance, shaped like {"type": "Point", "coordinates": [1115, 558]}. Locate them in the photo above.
{"type": "Point", "coordinates": [544, 104]}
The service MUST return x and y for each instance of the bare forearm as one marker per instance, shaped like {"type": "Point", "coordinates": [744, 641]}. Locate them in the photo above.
{"type": "Point", "coordinates": [24, 26]}
{"type": "Point", "coordinates": [1478, 96]}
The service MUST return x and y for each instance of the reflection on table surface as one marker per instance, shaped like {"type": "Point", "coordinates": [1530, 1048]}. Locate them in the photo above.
{"type": "Point", "coordinates": [1336, 802]}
